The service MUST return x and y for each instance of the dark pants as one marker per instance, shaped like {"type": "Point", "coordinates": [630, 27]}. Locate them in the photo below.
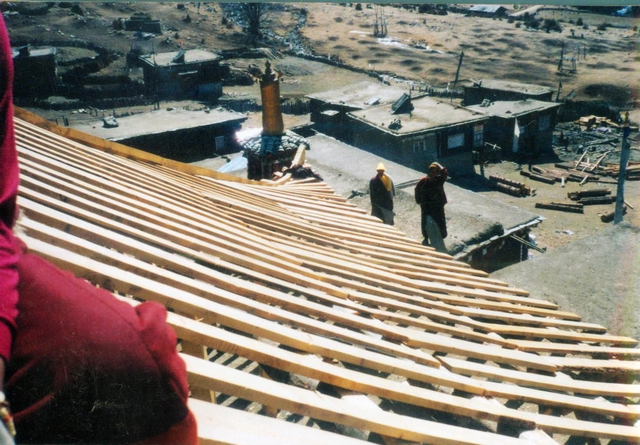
{"type": "Point", "coordinates": [437, 214]}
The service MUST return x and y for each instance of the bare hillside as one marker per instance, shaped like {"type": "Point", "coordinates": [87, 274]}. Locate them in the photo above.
{"type": "Point", "coordinates": [421, 45]}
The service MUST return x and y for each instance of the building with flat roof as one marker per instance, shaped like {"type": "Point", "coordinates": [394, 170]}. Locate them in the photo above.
{"type": "Point", "coordinates": [177, 133]}
{"type": "Point", "coordinates": [499, 90]}
{"type": "Point", "coordinates": [194, 73]}
{"type": "Point", "coordinates": [523, 129]}
{"type": "Point", "coordinates": [329, 108]}
{"type": "Point", "coordinates": [417, 131]}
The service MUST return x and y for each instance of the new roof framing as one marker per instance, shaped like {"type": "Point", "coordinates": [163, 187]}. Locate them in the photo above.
{"type": "Point", "coordinates": [290, 302]}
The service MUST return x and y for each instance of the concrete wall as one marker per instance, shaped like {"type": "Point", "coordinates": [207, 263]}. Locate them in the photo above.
{"type": "Point", "coordinates": [188, 145]}
{"type": "Point", "coordinates": [399, 148]}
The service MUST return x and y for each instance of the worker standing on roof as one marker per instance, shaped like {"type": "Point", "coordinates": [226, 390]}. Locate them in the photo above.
{"type": "Point", "coordinates": [77, 365]}
{"type": "Point", "coordinates": [429, 193]}
{"type": "Point", "coordinates": [382, 191]}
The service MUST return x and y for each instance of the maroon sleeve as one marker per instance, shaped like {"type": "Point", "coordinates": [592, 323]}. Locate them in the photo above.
{"type": "Point", "coordinates": [8, 192]}
{"type": "Point", "coordinates": [88, 368]}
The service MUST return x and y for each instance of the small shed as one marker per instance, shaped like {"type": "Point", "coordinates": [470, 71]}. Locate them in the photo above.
{"type": "Point", "coordinates": [523, 128]}
{"type": "Point", "coordinates": [329, 108]}
{"type": "Point", "coordinates": [488, 11]}
{"type": "Point", "coordinates": [499, 90]}
{"type": "Point", "coordinates": [35, 71]}
{"type": "Point", "coordinates": [194, 73]}
{"type": "Point", "coordinates": [417, 131]}
{"type": "Point", "coordinates": [175, 133]}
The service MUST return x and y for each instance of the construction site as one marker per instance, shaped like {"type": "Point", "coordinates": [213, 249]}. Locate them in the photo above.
{"type": "Point", "coordinates": [303, 319]}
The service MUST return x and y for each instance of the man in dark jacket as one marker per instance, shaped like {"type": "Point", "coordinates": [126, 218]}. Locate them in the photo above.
{"type": "Point", "coordinates": [429, 193]}
{"type": "Point", "coordinates": [382, 191]}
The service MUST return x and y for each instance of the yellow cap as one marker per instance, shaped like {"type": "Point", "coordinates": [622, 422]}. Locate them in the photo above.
{"type": "Point", "coordinates": [380, 167]}
{"type": "Point", "coordinates": [434, 165]}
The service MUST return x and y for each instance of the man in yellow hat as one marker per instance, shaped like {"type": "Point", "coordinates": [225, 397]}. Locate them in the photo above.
{"type": "Point", "coordinates": [382, 191]}
{"type": "Point", "coordinates": [429, 193]}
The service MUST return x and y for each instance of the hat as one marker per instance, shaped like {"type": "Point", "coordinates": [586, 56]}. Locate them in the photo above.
{"type": "Point", "coordinates": [380, 167]}
{"type": "Point", "coordinates": [434, 165]}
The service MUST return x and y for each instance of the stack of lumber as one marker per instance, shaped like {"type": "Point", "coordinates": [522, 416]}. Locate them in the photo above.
{"type": "Point", "coordinates": [592, 197]}
{"type": "Point", "coordinates": [633, 170]}
{"type": "Point", "coordinates": [299, 314]}
{"type": "Point", "coordinates": [590, 121]}
{"type": "Point", "coordinates": [582, 174]}
{"type": "Point", "coordinates": [509, 186]}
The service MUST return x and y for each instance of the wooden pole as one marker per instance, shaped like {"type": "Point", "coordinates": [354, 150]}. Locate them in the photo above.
{"type": "Point", "coordinates": [624, 159]}
{"type": "Point", "coordinates": [455, 82]}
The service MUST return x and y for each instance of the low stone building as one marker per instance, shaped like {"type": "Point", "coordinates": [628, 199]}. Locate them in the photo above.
{"type": "Point", "coordinates": [329, 108]}
{"type": "Point", "coordinates": [178, 134]}
{"type": "Point", "coordinates": [495, 90]}
{"type": "Point", "coordinates": [417, 131]}
{"type": "Point", "coordinates": [522, 129]}
{"type": "Point", "coordinates": [195, 74]}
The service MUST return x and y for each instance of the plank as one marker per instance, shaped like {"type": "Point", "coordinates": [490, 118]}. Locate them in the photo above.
{"type": "Point", "coordinates": [297, 400]}
{"type": "Point", "coordinates": [295, 305]}
{"type": "Point", "coordinates": [207, 244]}
{"type": "Point", "coordinates": [579, 349]}
{"type": "Point", "coordinates": [331, 409]}
{"type": "Point", "coordinates": [558, 334]}
{"type": "Point", "coordinates": [107, 276]}
{"type": "Point", "coordinates": [355, 381]}
{"type": "Point", "coordinates": [219, 425]}
{"type": "Point", "coordinates": [552, 383]}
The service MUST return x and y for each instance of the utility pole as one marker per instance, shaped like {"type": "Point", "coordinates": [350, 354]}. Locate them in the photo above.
{"type": "Point", "coordinates": [625, 152]}
{"type": "Point", "coordinates": [455, 82]}
{"type": "Point", "coordinates": [561, 57]}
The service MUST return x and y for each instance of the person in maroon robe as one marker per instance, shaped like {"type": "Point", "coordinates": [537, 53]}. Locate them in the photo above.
{"type": "Point", "coordinates": [76, 364]}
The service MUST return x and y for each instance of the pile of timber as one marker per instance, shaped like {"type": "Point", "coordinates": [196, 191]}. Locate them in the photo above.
{"type": "Point", "coordinates": [590, 121]}
{"type": "Point", "coordinates": [633, 170]}
{"type": "Point", "coordinates": [592, 197]}
{"type": "Point", "coordinates": [581, 174]}
{"type": "Point", "coordinates": [509, 186]}
{"type": "Point", "coordinates": [573, 207]}
{"type": "Point", "coordinates": [538, 177]}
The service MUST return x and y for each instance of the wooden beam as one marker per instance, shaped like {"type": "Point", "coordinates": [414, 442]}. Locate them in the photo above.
{"type": "Point", "coordinates": [551, 383]}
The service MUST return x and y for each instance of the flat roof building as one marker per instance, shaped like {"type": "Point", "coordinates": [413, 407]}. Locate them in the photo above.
{"type": "Point", "coordinates": [418, 131]}
{"type": "Point", "coordinates": [193, 73]}
{"type": "Point", "coordinates": [176, 133]}
{"type": "Point", "coordinates": [535, 121]}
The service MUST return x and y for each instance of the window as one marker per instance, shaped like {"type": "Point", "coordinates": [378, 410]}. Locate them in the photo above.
{"type": "Point", "coordinates": [220, 142]}
{"type": "Point", "coordinates": [455, 141]}
{"type": "Point", "coordinates": [419, 147]}
{"type": "Point", "coordinates": [544, 123]}
{"type": "Point", "coordinates": [478, 135]}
